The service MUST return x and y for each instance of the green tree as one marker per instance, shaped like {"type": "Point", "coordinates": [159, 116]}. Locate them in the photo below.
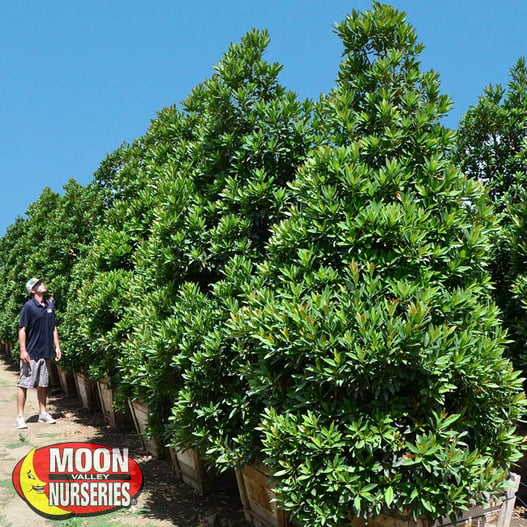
{"type": "Point", "coordinates": [491, 137]}
{"type": "Point", "coordinates": [68, 231]}
{"type": "Point", "coordinates": [24, 254]}
{"type": "Point", "coordinates": [99, 285]}
{"type": "Point", "coordinates": [47, 244]}
{"type": "Point", "coordinates": [492, 147]}
{"type": "Point", "coordinates": [242, 136]}
{"type": "Point", "coordinates": [369, 339]}
{"type": "Point", "coordinates": [12, 279]}
{"type": "Point", "coordinates": [33, 244]}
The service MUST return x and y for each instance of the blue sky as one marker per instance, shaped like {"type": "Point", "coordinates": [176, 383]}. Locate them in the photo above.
{"type": "Point", "coordinates": [78, 78]}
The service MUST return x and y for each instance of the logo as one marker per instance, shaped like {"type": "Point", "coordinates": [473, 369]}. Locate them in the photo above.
{"type": "Point", "coordinates": [70, 479]}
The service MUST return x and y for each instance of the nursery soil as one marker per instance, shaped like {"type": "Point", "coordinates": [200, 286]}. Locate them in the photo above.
{"type": "Point", "coordinates": [164, 501]}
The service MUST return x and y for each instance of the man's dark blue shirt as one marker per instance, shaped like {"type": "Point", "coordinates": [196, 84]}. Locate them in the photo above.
{"type": "Point", "coordinates": [39, 321]}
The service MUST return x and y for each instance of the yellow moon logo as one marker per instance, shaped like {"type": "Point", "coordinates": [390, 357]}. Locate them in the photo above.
{"type": "Point", "coordinates": [34, 489]}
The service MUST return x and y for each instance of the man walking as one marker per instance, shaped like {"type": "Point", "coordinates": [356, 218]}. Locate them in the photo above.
{"type": "Point", "coordinates": [37, 335]}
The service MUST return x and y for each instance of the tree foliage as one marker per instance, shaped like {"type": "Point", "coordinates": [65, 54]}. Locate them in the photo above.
{"type": "Point", "coordinates": [368, 338]}
{"type": "Point", "coordinates": [242, 135]}
{"type": "Point", "coordinates": [492, 147]}
{"type": "Point", "coordinates": [99, 286]}
{"type": "Point", "coordinates": [47, 243]}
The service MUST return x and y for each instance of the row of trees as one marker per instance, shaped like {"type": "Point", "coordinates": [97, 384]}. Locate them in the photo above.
{"type": "Point", "coordinates": [333, 287]}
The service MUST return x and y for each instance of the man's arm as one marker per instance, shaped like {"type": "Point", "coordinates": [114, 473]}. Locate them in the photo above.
{"type": "Point", "coordinates": [24, 355]}
{"type": "Point", "coordinates": [58, 353]}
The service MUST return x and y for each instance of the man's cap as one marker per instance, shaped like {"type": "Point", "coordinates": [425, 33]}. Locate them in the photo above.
{"type": "Point", "coordinates": [31, 283]}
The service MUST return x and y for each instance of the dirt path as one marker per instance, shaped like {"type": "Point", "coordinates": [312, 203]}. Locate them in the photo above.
{"type": "Point", "coordinates": [164, 501]}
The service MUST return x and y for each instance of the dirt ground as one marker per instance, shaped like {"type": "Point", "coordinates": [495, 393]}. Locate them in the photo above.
{"type": "Point", "coordinates": [164, 501]}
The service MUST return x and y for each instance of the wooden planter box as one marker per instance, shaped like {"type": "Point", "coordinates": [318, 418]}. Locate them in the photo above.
{"type": "Point", "coordinates": [256, 494]}
{"type": "Point", "coordinates": [497, 512]}
{"type": "Point", "coordinates": [54, 381]}
{"type": "Point", "coordinates": [140, 419]}
{"type": "Point", "coordinates": [67, 382]}
{"type": "Point", "coordinates": [87, 391]}
{"type": "Point", "coordinates": [117, 420]}
{"type": "Point", "coordinates": [193, 471]}
{"type": "Point", "coordinates": [7, 348]}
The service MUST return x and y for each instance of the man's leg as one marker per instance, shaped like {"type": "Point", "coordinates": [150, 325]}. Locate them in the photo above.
{"type": "Point", "coordinates": [20, 403]}
{"type": "Point", "coordinates": [44, 417]}
{"type": "Point", "coordinates": [21, 400]}
{"type": "Point", "coordinates": [42, 393]}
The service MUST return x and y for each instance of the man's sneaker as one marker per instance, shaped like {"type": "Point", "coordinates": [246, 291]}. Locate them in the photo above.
{"type": "Point", "coordinates": [46, 418]}
{"type": "Point", "coordinates": [20, 423]}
